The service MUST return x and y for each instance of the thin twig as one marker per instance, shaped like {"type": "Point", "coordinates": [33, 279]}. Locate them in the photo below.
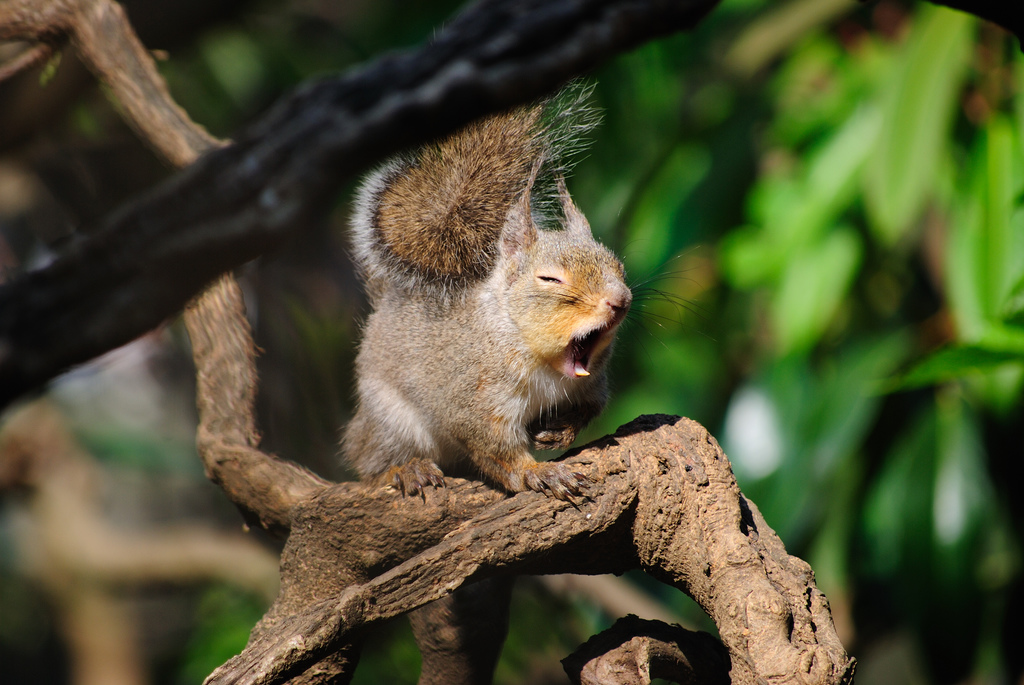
{"type": "Point", "coordinates": [26, 59]}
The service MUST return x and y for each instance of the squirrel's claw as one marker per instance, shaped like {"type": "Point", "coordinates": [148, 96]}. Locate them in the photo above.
{"type": "Point", "coordinates": [413, 476]}
{"type": "Point", "coordinates": [555, 479]}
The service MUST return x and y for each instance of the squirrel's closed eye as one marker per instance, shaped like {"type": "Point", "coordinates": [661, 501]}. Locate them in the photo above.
{"type": "Point", "coordinates": [550, 279]}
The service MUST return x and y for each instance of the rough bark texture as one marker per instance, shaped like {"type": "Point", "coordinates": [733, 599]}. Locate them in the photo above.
{"type": "Point", "coordinates": [662, 498]}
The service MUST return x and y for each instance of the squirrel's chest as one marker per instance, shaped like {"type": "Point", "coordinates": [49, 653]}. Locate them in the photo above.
{"type": "Point", "coordinates": [533, 395]}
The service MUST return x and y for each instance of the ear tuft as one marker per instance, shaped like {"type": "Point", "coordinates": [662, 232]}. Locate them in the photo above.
{"type": "Point", "coordinates": [520, 232]}
{"type": "Point", "coordinates": [575, 222]}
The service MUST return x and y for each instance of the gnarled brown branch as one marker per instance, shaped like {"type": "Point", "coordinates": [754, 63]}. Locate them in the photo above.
{"type": "Point", "coordinates": [101, 35]}
{"type": "Point", "coordinates": [662, 498]}
{"type": "Point", "coordinates": [264, 487]}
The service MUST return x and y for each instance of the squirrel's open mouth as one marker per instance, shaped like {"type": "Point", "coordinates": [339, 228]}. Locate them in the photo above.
{"type": "Point", "coordinates": [580, 352]}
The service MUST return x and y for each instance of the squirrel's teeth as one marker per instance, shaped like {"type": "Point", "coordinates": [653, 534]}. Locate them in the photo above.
{"type": "Point", "coordinates": [579, 353]}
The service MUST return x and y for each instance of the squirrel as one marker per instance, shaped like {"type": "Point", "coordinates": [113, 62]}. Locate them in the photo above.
{"type": "Point", "coordinates": [489, 334]}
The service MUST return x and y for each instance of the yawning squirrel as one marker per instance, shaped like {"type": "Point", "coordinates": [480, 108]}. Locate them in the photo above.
{"type": "Point", "coordinates": [489, 335]}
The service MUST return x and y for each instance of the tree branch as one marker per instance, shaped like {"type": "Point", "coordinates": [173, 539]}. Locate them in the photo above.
{"type": "Point", "coordinates": [663, 499]}
{"type": "Point", "coordinates": [100, 33]}
{"type": "Point", "coordinates": [262, 486]}
{"type": "Point", "coordinates": [635, 651]}
{"type": "Point", "coordinates": [26, 59]}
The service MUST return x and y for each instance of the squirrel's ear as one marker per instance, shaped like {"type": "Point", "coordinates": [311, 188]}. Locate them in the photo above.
{"type": "Point", "coordinates": [575, 222]}
{"type": "Point", "coordinates": [520, 232]}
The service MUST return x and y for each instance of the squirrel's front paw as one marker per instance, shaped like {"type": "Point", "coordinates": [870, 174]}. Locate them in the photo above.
{"type": "Point", "coordinates": [411, 477]}
{"type": "Point", "coordinates": [555, 479]}
{"type": "Point", "coordinates": [554, 438]}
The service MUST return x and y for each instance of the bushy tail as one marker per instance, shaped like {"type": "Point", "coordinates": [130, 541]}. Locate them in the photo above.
{"type": "Point", "coordinates": [434, 217]}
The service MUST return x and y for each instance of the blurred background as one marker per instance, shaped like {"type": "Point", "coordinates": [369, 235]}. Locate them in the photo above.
{"type": "Point", "coordinates": [820, 204]}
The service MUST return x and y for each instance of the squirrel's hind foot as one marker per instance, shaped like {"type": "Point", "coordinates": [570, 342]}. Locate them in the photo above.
{"type": "Point", "coordinates": [412, 477]}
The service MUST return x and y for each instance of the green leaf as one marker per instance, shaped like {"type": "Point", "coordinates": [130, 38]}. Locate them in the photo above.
{"type": "Point", "coordinates": [828, 186]}
{"type": "Point", "coordinates": [962, 489]}
{"type": "Point", "coordinates": [965, 271]}
{"type": "Point", "coordinates": [810, 96]}
{"type": "Point", "coordinates": [983, 255]}
{"type": "Point", "coordinates": [1013, 305]}
{"type": "Point", "coordinates": [998, 205]}
{"type": "Point", "coordinates": [796, 213]}
{"type": "Point", "coordinates": [748, 258]}
{"type": "Point", "coordinates": [955, 362]}
{"type": "Point", "coordinates": [898, 502]}
{"type": "Point", "coordinates": [834, 169]}
{"type": "Point", "coordinates": [1000, 337]}
{"type": "Point", "coordinates": [918, 106]}
{"type": "Point", "coordinates": [845, 403]}
{"type": "Point", "coordinates": [812, 287]}
{"type": "Point", "coordinates": [1013, 310]}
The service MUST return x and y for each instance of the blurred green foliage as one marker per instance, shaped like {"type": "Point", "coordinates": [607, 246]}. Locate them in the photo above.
{"type": "Point", "coordinates": [222, 623]}
{"type": "Point", "coordinates": [827, 245]}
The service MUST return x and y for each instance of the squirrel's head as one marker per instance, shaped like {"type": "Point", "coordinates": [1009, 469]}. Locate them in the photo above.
{"type": "Point", "coordinates": [566, 292]}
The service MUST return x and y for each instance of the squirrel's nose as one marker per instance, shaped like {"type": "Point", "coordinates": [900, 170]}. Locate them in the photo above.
{"type": "Point", "coordinates": [618, 301]}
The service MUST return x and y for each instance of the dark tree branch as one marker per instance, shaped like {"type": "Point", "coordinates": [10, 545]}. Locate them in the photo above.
{"type": "Point", "coordinates": [234, 204]}
{"type": "Point", "coordinates": [635, 651]}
